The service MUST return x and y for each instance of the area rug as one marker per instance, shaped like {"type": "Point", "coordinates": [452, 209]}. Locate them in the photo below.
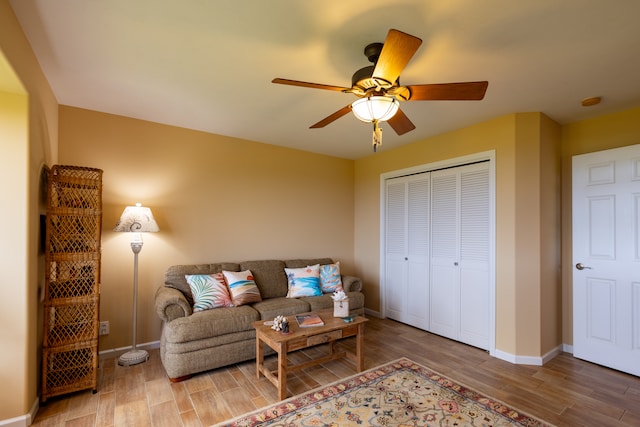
{"type": "Point", "coordinates": [401, 393]}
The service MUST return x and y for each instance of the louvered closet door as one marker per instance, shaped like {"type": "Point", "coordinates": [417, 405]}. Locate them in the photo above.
{"type": "Point", "coordinates": [407, 250]}
{"type": "Point", "coordinates": [460, 254]}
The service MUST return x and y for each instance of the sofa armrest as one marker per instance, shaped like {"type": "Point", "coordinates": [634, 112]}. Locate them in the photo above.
{"type": "Point", "coordinates": [351, 284]}
{"type": "Point", "coordinates": [171, 304]}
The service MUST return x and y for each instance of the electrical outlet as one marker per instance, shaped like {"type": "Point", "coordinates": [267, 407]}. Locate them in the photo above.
{"type": "Point", "coordinates": [104, 328]}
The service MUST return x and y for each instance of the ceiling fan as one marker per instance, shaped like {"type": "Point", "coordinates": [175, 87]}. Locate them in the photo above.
{"type": "Point", "coordinates": [379, 91]}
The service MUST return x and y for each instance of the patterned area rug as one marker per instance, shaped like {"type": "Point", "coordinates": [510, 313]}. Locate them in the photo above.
{"type": "Point", "coordinates": [401, 393]}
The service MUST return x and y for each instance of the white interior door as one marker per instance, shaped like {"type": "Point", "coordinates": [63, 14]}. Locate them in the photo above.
{"type": "Point", "coordinates": [407, 250]}
{"type": "Point", "coordinates": [445, 274]}
{"type": "Point", "coordinates": [418, 250]}
{"type": "Point", "coordinates": [606, 258]}
{"type": "Point", "coordinates": [475, 287]}
{"type": "Point", "coordinates": [460, 282]}
{"type": "Point", "coordinates": [395, 250]}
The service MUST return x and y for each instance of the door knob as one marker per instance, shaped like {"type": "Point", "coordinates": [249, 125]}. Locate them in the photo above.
{"type": "Point", "coordinates": [581, 266]}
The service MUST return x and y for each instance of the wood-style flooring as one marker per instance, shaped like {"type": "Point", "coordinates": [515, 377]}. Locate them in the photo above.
{"type": "Point", "coordinates": [566, 391]}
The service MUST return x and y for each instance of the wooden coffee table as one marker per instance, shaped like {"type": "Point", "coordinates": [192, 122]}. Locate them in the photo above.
{"type": "Point", "coordinates": [298, 338]}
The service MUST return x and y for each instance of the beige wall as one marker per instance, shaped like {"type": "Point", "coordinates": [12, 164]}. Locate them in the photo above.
{"type": "Point", "coordinates": [550, 234]}
{"type": "Point", "coordinates": [519, 141]}
{"type": "Point", "coordinates": [528, 243]}
{"type": "Point", "coordinates": [538, 213]}
{"type": "Point", "coordinates": [13, 251]}
{"type": "Point", "coordinates": [601, 133]}
{"type": "Point", "coordinates": [32, 121]}
{"type": "Point", "coordinates": [215, 199]}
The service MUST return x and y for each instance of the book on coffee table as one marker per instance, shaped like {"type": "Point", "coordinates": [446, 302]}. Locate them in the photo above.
{"type": "Point", "coordinates": [309, 320]}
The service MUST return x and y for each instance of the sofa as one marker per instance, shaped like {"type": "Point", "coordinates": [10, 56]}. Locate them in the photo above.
{"type": "Point", "coordinates": [193, 342]}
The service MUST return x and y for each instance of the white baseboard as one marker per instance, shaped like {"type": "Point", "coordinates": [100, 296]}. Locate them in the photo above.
{"type": "Point", "coordinates": [23, 420]}
{"type": "Point", "coordinates": [34, 411]}
{"type": "Point", "coordinates": [114, 352]}
{"type": "Point", "coordinates": [528, 360]}
{"type": "Point", "coordinates": [551, 354]}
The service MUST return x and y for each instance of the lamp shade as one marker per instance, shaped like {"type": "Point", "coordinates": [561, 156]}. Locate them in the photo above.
{"type": "Point", "coordinates": [137, 219]}
{"type": "Point", "coordinates": [375, 108]}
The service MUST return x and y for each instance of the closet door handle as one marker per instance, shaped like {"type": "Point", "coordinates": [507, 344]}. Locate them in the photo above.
{"type": "Point", "coordinates": [455, 263]}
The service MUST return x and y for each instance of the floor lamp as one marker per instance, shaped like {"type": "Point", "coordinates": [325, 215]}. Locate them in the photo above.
{"type": "Point", "coordinates": [135, 219]}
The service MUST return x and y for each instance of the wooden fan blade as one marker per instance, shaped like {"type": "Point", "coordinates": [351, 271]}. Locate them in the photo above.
{"type": "Point", "coordinates": [333, 117]}
{"type": "Point", "coordinates": [397, 51]}
{"type": "Point", "coordinates": [466, 91]}
{"type": "Point", "coordinates": [401, 123]}
{"type": "Point", "coordinates": [311, 85]}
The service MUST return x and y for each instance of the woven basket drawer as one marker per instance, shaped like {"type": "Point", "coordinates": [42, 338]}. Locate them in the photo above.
{"type": "Point", "coordinates": [70, 368]}
{"type": "Point", "coordinates": [75, 187]}
{"type": "Point", "coordinates": [72, 276]}
{"type": "Point", "coordinates": [73, 232]}
{"type": "Point", "coordinates": [71, 323]}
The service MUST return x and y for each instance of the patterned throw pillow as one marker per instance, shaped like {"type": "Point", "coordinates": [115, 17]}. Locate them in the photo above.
{"type": "Point", "coordinates": [242, 286]}
{"type": "Point", "coordinates": [304, 282]}
{"type": "Point", "coordinates": [330, 279]}
{"type": "Point", "coordinates": [209, 291]}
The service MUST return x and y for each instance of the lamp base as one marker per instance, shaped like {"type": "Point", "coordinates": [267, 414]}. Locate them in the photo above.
{"type": "Point", "coordinates": [133, 357]}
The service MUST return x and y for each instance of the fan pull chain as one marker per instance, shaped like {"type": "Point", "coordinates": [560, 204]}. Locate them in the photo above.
{"type": "Point", "coordinates": [377, 136]}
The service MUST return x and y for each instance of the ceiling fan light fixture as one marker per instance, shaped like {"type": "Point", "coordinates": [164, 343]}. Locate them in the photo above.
{"type": "Point", "coordinates": [375, 108]}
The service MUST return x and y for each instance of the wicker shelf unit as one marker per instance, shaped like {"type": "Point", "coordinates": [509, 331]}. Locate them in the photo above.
{"type": "Point", "coordinates": [72, 280]}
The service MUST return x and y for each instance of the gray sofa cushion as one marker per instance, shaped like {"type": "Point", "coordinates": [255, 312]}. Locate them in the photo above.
{"type": "Point", "coordinates": [323, 302]}
{"type": "Point", "coordinates": [271, 307]}
{"type": "Point", "coordinates": [210, 323]}
{"type": "Point", "coordinates": [269, 276]}
{"type": "Point", "coordinates": [174, 276]}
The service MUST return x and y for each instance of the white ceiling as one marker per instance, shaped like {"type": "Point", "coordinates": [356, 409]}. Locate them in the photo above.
{"type": "Point", "coordinates": [208, 64]}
